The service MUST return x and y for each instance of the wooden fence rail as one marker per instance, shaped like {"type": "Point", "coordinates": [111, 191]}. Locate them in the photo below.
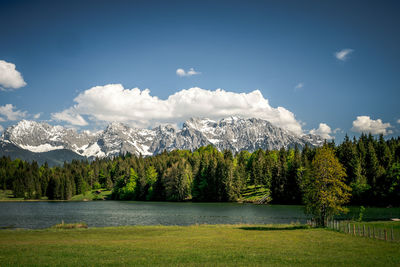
{"type": "Point", "coordinates": [358, 229]}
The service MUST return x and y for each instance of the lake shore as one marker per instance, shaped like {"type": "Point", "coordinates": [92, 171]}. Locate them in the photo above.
{"type": "Point", "coordinates": [7, 196]}
{"type": "Point", "coordinates": [196, 245]}
{"type": "Point", "coordinates": [95, 195]}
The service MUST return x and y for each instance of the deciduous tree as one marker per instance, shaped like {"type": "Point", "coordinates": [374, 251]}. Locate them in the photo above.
{"type": "Point", "coordinates": [325, 190]}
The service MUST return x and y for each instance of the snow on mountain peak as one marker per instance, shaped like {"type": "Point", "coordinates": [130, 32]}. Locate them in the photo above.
{"type": "Point", "coordinates": [233, 133]}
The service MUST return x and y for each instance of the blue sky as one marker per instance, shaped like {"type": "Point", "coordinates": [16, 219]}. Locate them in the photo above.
{"type": "Point", "coordinates": [284, 49]}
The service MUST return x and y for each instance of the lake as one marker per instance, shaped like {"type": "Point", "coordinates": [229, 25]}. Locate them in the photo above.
{"type": "Point", "coordinates": [35, 215]}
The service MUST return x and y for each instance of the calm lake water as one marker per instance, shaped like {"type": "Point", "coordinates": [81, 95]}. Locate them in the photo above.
{"type": "Point", "coordinates": [115, 213]}
{"type": "Point", "coordinates": [36, 215]}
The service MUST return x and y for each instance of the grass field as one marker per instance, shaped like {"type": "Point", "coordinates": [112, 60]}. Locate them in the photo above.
{"type": "Point", "coordinates": [373, 228]}
{"type": "Point", "coordinates": [212, 245]}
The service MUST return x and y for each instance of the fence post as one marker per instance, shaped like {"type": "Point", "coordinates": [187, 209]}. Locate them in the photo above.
{"type": "Point", "coordinates": [385, 234]}
{"type": "Point", "coordinates": [364, 230]}
{"type": "Point", "coordinates": [373, 232]}
{"type": "Point", "coordinates": [348, 228]}
{"type": "Point", "coordinates": [369, 234]}
{"type": "Point", "coordinates": [392, 235]}
{"type": "Point", "coordinates": [354, 229]}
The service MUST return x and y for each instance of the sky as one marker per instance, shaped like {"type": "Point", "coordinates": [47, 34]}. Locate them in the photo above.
{"type": "Point", "coordinates": [321, 67]}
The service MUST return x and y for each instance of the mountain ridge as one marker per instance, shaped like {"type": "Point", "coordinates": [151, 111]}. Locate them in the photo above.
{"type": "Point", "coordinates": [232, 133]}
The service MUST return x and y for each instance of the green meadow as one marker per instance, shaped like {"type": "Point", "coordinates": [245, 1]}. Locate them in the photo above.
{"type": "Point", "coordinates": [197, 245]}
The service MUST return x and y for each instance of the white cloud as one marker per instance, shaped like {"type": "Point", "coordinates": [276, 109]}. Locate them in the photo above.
{"type": "Point", "coordinates": [337, 130]}
{"type": "Point", "coordinates": [364, 124]}
{"type": "Point", "coordinates": [137, 107]}
{"type": "Point", "coordinates": [398, 121]}
{"type": "Point", "coordinates": [298, 86]}
{"type": "Point", "coordinates": [37, 116]}
{"type": "Point", "coordinates": [1, 128]}
{"type": "Point", "coordinates": [190, 72]}
{"type": "Point", "coordinates": [343, 54]}
{"type": "Point", "coordinates": [324, 131]}
{"type": "Point", "coordinates": [69, 115]}
{"type": "Point", "coordinates": [8, 112]}
{"type": "Point", "coordinates": [10, 78]}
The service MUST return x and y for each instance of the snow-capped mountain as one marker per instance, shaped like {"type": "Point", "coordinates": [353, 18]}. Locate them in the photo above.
{"type": "Point", "coordinates": [231, 133]}
{"type": "Point", "coordinates": [42, 137]}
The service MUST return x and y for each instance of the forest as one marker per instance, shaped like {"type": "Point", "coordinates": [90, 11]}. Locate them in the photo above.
{"type": "Point", "coordinates": [372, 167]}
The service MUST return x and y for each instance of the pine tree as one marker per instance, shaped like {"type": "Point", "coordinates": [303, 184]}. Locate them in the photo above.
{"type": "Point", "coordinates": [178, 181]}
{"type": "Point", "coordinates": [294, 179]}
{"type": "Point", "coordinates": [373, 173]}
{"type": "Point", "coordinates": [151, 179]}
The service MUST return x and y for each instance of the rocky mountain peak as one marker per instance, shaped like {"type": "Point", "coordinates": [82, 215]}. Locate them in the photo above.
{"type": "Point", "coordinates": [233, 133]}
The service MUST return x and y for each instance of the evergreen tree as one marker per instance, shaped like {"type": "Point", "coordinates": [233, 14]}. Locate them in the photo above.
{"type": "Point", "coordinates": [151, 179]}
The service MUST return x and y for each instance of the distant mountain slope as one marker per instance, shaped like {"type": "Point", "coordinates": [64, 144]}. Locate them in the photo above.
{"type": "Point", "coordinates": [59, 143]}
{"type": "Point", "coordinates": [53, 158]}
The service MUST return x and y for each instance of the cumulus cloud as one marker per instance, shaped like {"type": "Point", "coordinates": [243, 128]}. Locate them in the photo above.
{"type": "Point", "coordinates": [343, 54]}
{"type": "Point", "coordinates": [324, 131]}
{"type": "Point", "coordinates": [364, 124]}
{"type": "Point", "coordinates": [10, 78]}
{"type": "Point", "coordinates": [139, 108]}
{"type": "Point", "coordinates": [71, 116]}
{"type": "Point", "coordinates": [7, 112]}
{"type": "Point", "coordinates": [398, 121]}
{"type": "Point", "coordinates": [190, 72]}
{"type": "Point", "coordinates": [1, 128]}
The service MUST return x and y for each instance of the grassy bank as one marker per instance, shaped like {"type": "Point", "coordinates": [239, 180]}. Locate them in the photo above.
{"type": "Point", "coordinates": [7, 195]}
{"type": "Point", "coordinates": [227, 245]}
{"type": "Point", "coordinates": [103, 194]}
{"type": "Point", "coordinates": [253, 194]}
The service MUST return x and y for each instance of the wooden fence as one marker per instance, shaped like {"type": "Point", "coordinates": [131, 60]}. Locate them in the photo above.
{"type": "Point", "coordinates": [360, 229]}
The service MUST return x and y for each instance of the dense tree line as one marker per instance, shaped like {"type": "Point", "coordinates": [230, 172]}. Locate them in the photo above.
{"type": "Point", "coordinates": [371, 165]}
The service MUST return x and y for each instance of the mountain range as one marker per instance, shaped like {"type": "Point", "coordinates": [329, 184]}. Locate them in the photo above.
{"type": "Point", "coordinates": [40, 141]}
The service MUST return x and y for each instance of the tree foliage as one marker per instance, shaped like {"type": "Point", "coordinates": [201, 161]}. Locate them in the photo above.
{"type": "Point", "coordinates": [325, 190]}
{"type": "Point", "coordinates": [372, 166]}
